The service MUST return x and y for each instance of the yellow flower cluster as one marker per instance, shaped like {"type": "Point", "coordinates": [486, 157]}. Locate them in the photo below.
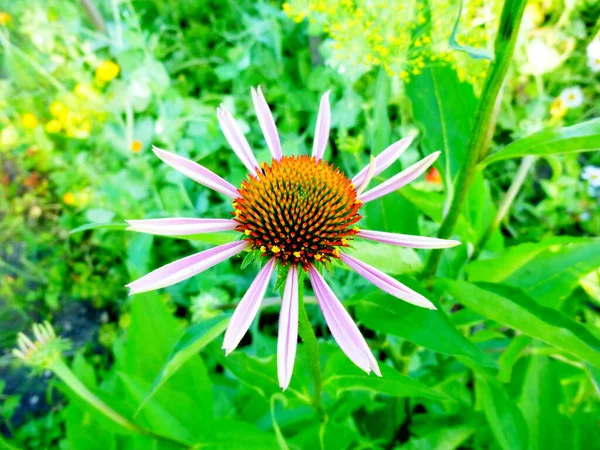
{"type": "Point", "coordinates": [107, 71]}
{"type": "Point", "coordinates": [363, 36]}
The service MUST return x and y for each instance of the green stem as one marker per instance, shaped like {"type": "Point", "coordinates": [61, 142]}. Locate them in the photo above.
{"type": "Point", "coordinates": [509, 198]}
{"type": "Point", "coordinates": [310, 340]}
{"type": "Point", "coordinates": [485, 121]}
{"type": "Point", "coordinates": [64, 373]}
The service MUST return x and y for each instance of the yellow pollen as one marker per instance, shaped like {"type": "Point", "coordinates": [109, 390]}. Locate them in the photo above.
{"type": "Point", "coordinates": [297, 254]}
{"type": "Point", "coordinates": [275, 249]}
{"type": "Point", "coordinates": [263, 249]}
{"type": "Point", "coordinates": [344, 241]}
{"type": "Point", "coordinates": [355, 228]}
{"type": "Point", "coordinates": [318, 256]}
{"type": "Point", "coordinates": [336, 252]}
{"type": "Point", "coordinates": [247, 232]}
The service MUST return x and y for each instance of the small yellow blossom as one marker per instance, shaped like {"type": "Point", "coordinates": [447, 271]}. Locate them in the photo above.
{"type": "Point", "coordinates": [69, 198]}
{"type": "Point", "coordinates": [263, 249]}
{"type": "Point", "coordinates": [29, 120]}
{"type": "Point", "coordinates": [558, 108]}
{"type": "Point", "coordinates": [297, 254]}
{"type": "Point", "coordinates": [53, 126]}
{"type": "Point", "coordinates": [5, 18]}
{"type": "Point", "coordinates": [136, 146]}
{"type": "Point", "coordinates": [275, 249]}
{"type": "Point", "coordinates": [247, 232]}
{"type": "Point", "coordinates": [57, 108]}
{"type": "Point", "coordinates": [318, 257]}
{"type": "Point", "coordinates": [107, 71]}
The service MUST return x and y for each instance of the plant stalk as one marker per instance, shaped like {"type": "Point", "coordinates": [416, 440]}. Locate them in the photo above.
{"type": "Point", "coordinates": [485, 121]}
{"type": "Point", "coordinates": [310, 339]}
{"type": "Point", "coordinates": [507, 201]}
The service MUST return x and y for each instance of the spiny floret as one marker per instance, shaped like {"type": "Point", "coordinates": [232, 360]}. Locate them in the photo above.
{"type": "Point", "coordinates": [297, 210]}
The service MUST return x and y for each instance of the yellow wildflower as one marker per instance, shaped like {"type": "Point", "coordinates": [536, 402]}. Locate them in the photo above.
{"type": "Point", "coordinates": [136, 146]}
{"type": "Point", "coordinates": [29, 120]}
{"type": "Point", "coordinates": [107, 71]}
{"type": "Point", "coordinates": [69, 198]}
{"type": "Point", "coordinates": [57, 108]}
{"type": "Point", "coordinates": [53, 126]}
{"type": "Point", "coordinates": [5, 18]}
{"type": "Point", "coordinates": [558, 109]}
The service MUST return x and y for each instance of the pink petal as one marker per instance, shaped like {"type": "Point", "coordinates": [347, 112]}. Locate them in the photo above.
{"type": "Point", "coordinates": [399, 180]}
{"type": "Point", "coordinates": [181, 226]}
{"type": "Point", "coordinates": [322, 128]}
{"type": "Point", "coordinates": [247, 308]}
{"type": "Point", "coordinates": [197, 172]}
{"type": "Point", "coordinates": [385, 282]}
{"type": "Point", "coordinates": [341, 325]}
{"type": "Point", "coordinates": [407, 240]}
{"type": "Point", "coordinates": [236, 139]}
{"type": "Point", "coordinates": [267, 123]}
{"type": "Point", "coordinates": [384, 160]}
{"type": "Point", "coordinates": [185, 268]}
{"type": "Point", "coordinates": [288, 329]}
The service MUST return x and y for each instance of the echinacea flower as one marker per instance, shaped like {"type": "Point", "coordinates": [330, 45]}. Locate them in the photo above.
{"type": "Point", "coordinates": [42, 352]}
{"type": "Point", "coordinates": [296, 213]}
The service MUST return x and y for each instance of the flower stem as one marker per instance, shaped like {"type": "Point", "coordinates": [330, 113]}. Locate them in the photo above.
{"type": "Point", "coordinates": [509, 198]}
{"type": "Point", "coordinates": [310, 340]}
{"type": "Point", "coordinates": [485, 121]}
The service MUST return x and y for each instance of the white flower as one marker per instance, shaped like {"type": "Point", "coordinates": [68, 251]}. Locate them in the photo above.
{"type": "Point", "coordinates": [592, 175]}
{"type": "Point", "coordinates": [541, 58]}
{"type": "Point", "coordinates": [593, 55]}
{"type": "Point", "coordinates": [572, 97]}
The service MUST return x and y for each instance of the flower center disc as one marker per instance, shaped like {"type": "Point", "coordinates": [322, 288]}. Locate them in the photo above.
{"type": "Point", "coordinates": [297, 210]}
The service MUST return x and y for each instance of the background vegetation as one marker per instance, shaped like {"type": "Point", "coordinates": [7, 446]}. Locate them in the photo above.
{"type": "Point", "coordinates": [512, 358]}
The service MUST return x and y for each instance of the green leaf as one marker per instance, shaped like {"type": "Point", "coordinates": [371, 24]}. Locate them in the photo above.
{"type": "Point", "coordinates": [388, 258]}
{"type": "Point", "coordinates": [513, 308]}
{"type": "Point", "coordinates": [381, 127]}
{"type": "Point", "coordinates": [548, 271]}
{"type": "Point", "coordinates": [85, 433]}
{"type": "Point", "coordinates": [541, 397]}
{"type": "Point", "coordinates": [511, 355]}
{"type": "Point", "coordinates": [100, 226]}
{"type": "Point", "coordinates": [228, 434]}
{"type": "Point", "coordinates": [346, 377]}
{"type": "Point", "coordinates": [151, 338]}
{"type": "Point", "coordinates": [192, 341]}
{"type": "Point", "coordinates": [425, 327]}
{"type": "Point", "coordinates": [503, 416]}
{"type": "Point", "coordinates": [583, 137]}
{"type": "Point", "coordinates": [444, 108]}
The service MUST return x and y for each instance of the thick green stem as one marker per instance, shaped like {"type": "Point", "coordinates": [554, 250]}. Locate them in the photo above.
{"type": "Point", "coordinates": [310, 340]}
{"type": "Point", "coordinates": [485, 121]}
{"type": "Point", "coordinates": [506, 203]}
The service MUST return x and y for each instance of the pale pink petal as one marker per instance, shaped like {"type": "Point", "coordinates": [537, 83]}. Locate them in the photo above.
{"type": "Point", "coordinates": [384, 160]}
{"type": "Point", "coordinates": [185, 268]}
{"type": "Point", "coordinates": [385, 282]}
{"type": "Point", "coordinates": [341, 325]}
{"type": "Point", "coordinates": [288, 329]}
{"type": "Point", "coordinates": [181, 226]}
{"type": "Point", "coordinates": [197, 172]}
{"type": "Point", "coordinates": [247, 308]}
{"type": "Point", "coordinates": [322, 128]}
{"type": "Point", "coordinates": [407, 240]}
{"type": "Point", "coordinates": [402, 179]}
{"type": "Point", "coordinates": [236, 139]}
{"type": "Point", "coordinates": [267, 123]}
